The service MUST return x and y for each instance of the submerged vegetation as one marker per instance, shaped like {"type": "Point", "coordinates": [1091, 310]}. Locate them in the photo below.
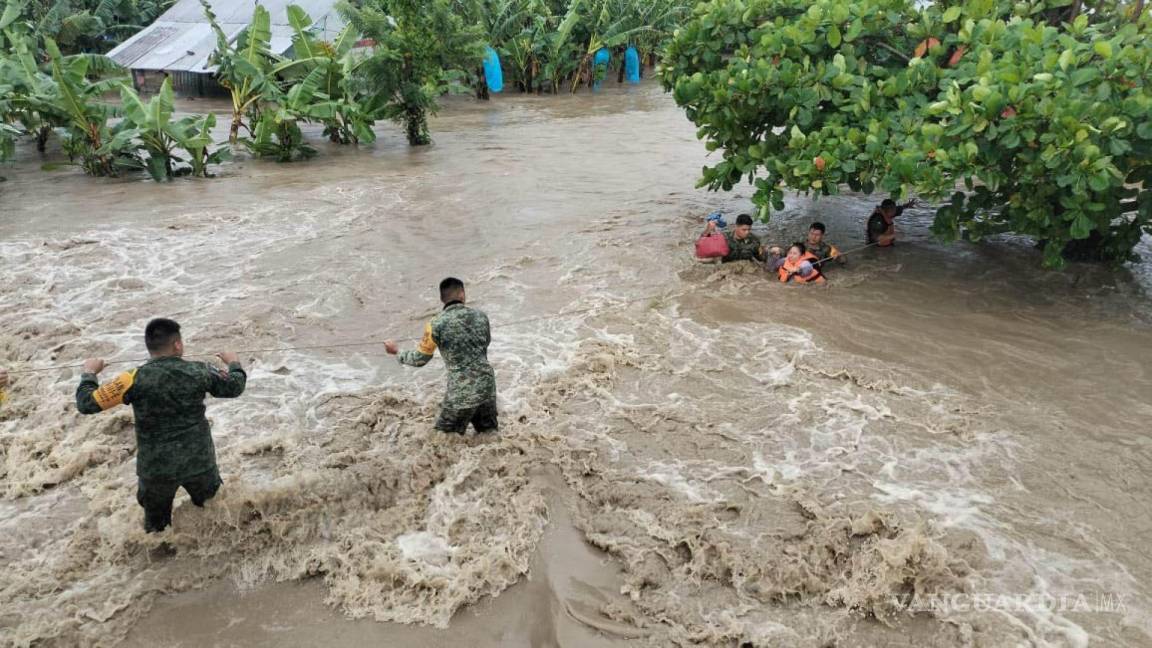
{"type": "Point", "coordinates": [1039, 109]}
{"type": "Point", "coordinates": [53, 80]}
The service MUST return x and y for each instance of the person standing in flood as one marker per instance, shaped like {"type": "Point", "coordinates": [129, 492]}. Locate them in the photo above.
{"type": "Point", "coordinates": [743, 245]}
{"type": "Point", "coordinates": [174, 446]}
{"type": "Point", "coordinates": [881, 228]}
{"type": "Point", "coordinates": [462, 334]}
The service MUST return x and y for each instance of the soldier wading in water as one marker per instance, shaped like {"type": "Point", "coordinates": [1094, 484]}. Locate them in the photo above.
{"type": "Point", "coordinates": [463, 335]}
{"type": "Point", "coordinates": [173, 439]}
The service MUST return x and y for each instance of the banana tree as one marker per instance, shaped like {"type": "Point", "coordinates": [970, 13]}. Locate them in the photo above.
{"type": "Point", "coordinates": [22, 84]}
{"type": "Point", "coordinates": [83, 25]}
{"type": "Point", "coordinates": [86, 116]}
{"type": "Point", "coordinates": [197, 140]}
{"type": "Point", "coordinates": [614, 24]}
{"type": "Point", "coordinates": [524, 49]}
{"type": "Point", "coordinates": [557, 51]}
{"type": "Point", "coordinates": [352, 112]}
{"type": "Point", "coordinates": [245, 68]}
{"type": "Point", "coordinates": [278, 133]}
{"type": "Point", "coordinates": [149, 130]}
{"type": "Point", "coordinates": [8, 136]}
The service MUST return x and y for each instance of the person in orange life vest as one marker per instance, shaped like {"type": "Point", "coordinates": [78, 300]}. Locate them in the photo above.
{"type": "Point", "coordinates": [881, 229]}
{"type": "Point", "coordinates": [798, 265]}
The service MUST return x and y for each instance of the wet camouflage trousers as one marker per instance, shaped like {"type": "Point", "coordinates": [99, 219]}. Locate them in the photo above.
{"type": "Point", "coordinates": [156, 496]}
{"type": "Point", "coordinates": [455, 421]}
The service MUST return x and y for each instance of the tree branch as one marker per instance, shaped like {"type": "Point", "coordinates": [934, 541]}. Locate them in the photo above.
{"type": "Point", "coordinates": [893, 50]}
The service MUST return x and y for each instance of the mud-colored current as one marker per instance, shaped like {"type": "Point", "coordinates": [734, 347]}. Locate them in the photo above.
{"type": "Point", "coordinates": [946, 446]}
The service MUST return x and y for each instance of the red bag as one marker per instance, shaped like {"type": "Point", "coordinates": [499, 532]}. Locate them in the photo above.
{"type": "Point", "coordinates": [712, 246]}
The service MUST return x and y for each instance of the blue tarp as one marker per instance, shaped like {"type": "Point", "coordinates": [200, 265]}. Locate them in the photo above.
{"type": "Point", "coordinates": [632, 65]}
{"type": "Point", "coordinates": [600, 65]}
{"type": "Point", "coordinates": [492, 72]}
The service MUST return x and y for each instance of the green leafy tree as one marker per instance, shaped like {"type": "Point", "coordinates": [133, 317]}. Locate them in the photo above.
{"type": "Point", "coordinates": [76, 26]}
{"type": "Point", "coordinates": [245, 67]}
{"type": "Point", "coordinates": [1038, 109]}
{"type": "Point", "coordinates": [277, 134]}
{"type": "Point", "coordinates": [613, 24]}
{"type": "Point", "coordinates": [25, 91]}
{"type": "Point", "coordinates": [86, 115]}
{"type": "Point", "coordinates": [422, 48]}
{"type": "Point", "coordinates": [163, 146]}
{"type": "Point", "coordinates": [341, 103]}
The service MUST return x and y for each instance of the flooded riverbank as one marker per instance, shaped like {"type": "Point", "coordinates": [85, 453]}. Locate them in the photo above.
{"type": "Point", "coordinates": [946, 429]}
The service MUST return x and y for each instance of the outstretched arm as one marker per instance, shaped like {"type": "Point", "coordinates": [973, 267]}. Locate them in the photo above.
{"type": "Point", "coordinates": [92, 397]}
{"type": "Point", "coordinates": [227, 384]}
{"type": "Point", "coordinates": [419, 356]}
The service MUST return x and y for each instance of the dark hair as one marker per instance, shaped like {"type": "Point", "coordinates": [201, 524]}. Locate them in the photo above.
{"type": "Point", "coordinates": [888, 202]}
{"type": "Point", "coordinates": [744, 219]}
{"type": "Point", "coordinates": [803, 248]}
{"type": "Point", "coordinates": [450, 289]}
{"type": "Point", "coordinates": [818, 226]}
{"type": "Point", "coordinates": [160, 334]}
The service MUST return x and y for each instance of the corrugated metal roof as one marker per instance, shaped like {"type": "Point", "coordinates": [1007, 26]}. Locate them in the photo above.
{"type": "Point", "coordinates": [181, 39]}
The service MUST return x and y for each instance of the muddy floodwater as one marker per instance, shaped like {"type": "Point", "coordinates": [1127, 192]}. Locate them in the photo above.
{"type": "Point", "coordinates": [946, 446]}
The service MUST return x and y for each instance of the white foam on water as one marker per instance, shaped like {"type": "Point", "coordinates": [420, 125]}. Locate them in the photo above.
{"type": "Point", "coordinates": [425, 547]}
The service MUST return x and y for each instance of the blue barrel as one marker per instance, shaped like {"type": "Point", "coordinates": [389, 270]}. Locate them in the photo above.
{"type": "Point", "coordinates": [632, 65]}
{"type": "Point", "coordinates": [492, 72]}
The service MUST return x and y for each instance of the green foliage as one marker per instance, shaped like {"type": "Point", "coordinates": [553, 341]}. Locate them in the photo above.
{"type": "Point", "coordinates": [8, 136]}
{"type": "Point", "coordinates": [85, 116]}
{"type": "Point", "coordinates": [278, 135]}
{"type": "Point", "coordinates": [154, 139]}
{"type": "Point", "coordinates": [1041, 116]}
{"type": "Point", "coordinates": [81, 25]}
{"type": "Point", "coordinates": [70, 100]}
{"type": "Point", "coordinates": [24, 90]}
{"type": "Point", "coordinates": [337, 98]}
{"type": "Point", "coordinates": [418, 45]}
{"type": "Point", "coordinates": [244, 67]}
{"type": "Point", "coordinates": [546, 45]}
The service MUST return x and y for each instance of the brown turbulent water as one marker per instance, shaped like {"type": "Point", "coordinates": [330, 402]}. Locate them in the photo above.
{"type": "Point", "coordinates": [946, 446]}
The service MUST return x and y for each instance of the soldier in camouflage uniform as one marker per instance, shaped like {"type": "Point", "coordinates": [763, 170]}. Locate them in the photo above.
{"type": "Point", "coordinates": [820, 247]}
{"type": "Point", "coordinates": [462, 335]}
{"type": "Point", "coordinates": [743, 245]}
{"type": "Point", "coordinates": [173, 439]}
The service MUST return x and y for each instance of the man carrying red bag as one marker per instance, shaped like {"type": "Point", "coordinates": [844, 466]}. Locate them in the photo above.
{"type": "Point", "coordinates": [740, 244]}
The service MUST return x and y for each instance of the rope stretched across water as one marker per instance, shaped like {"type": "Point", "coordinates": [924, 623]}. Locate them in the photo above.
{"type": "Point", "coordinates": [370, 343]}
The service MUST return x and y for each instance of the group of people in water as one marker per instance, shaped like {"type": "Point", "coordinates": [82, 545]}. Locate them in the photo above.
{"type": "Point", "coordinates": [173, 437]}
{"type": "Point", "coordinates": [803, 261]}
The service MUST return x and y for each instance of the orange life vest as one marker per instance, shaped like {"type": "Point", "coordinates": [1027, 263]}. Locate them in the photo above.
{"type": "Point", "coordinates": [790, 271]}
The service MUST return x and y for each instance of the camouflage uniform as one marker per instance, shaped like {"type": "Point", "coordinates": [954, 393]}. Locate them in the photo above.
{"type": "Point", "coordinates": [463, 335]}
{"type": "Point", "coordinates": [746, 249]}
{"type": "Point", "coordinates": [173, 439]}
{"type": "Point", "coordinates": [824, 252]}
{"type": "Point", "coordinates": [879, 226]}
